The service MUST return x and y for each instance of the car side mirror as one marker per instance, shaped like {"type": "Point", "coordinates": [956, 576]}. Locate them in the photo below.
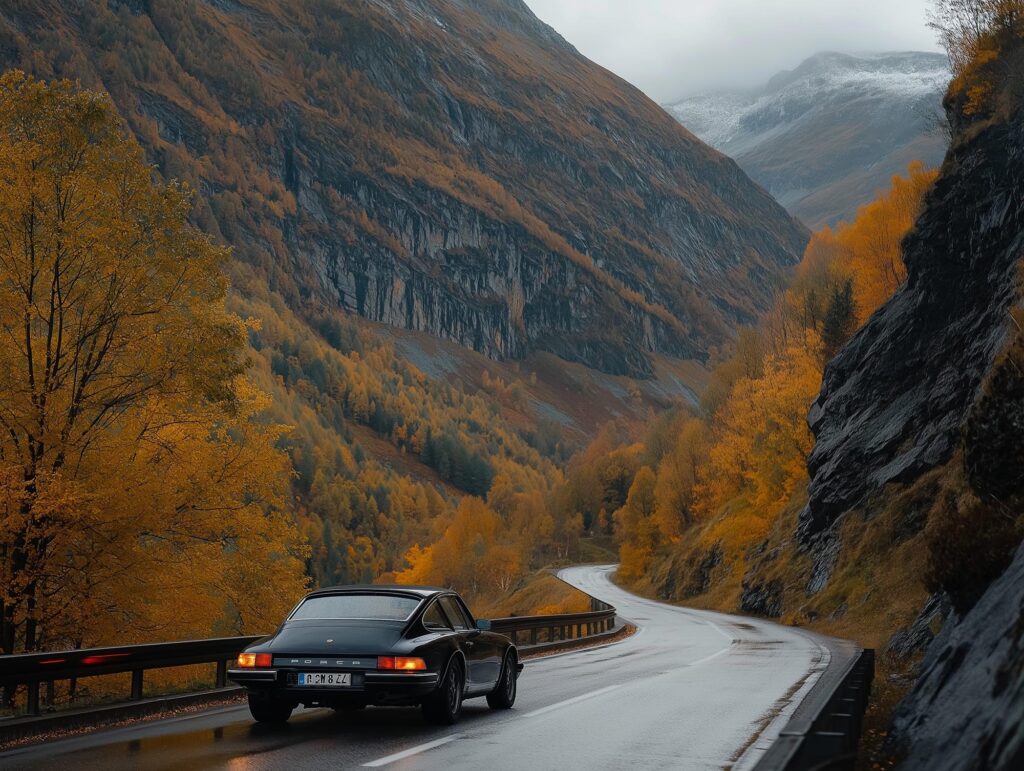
{"type": "Point", "coordinates": [483, 625]}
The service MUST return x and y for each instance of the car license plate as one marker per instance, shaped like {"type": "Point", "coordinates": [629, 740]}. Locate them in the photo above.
{"type": "Point", "coordinates": [325, 679]}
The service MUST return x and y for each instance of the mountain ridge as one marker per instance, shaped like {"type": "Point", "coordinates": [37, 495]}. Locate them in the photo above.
{"type": "Point", "coordinates": [438, 165]}
{"type": "Point", "coordinates": [825, 136]}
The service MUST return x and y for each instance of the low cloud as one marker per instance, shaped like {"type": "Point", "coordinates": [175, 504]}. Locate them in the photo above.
{"type": "Point", "coordinates": [672, 48]}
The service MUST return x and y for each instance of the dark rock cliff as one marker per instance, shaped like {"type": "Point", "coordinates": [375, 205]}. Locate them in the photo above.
{"type": "Point", "coordinates": [447, 166]}
{"type": "Point", "coordinates": [894, 400]}
{"type": "Point", "coordinates": [966, 712]}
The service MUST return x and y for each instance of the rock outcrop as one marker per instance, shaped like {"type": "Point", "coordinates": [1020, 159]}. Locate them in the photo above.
{"type": "Point", "coordinates": [449, 166]}
{"type": "Point", "coordinates": [966, 711]}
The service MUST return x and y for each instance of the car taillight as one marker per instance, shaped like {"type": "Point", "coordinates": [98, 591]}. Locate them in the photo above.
{"type": "Point", "coordinates": [251, 660]}
{"type": "Point", "coordinates": [401, 663]}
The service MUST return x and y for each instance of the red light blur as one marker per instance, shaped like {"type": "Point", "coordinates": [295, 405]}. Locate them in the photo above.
{"type": "Point", "coordinates": [103, 658]}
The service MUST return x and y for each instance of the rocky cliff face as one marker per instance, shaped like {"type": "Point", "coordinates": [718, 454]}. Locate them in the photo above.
{"type": "Point", "coordinates": [827, 135]}
{"type": "Point", "coordinates": [894, 400]}
{"type": "Point", "coordinates": [447, 166]}
{"type": "Point", "coordinates": [966, 712]}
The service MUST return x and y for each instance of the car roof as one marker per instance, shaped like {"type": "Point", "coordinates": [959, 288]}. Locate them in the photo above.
{"type": "Point", "coordinates": [419, 591]}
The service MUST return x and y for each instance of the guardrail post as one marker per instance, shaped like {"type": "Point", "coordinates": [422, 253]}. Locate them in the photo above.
{"type": "Point", "coordinates": [533, 636]}
{"type": "Point", "coordinates": [222, 673]}
{"type": "Point", "coordinates": [136, 684]}
{"type": "Point", "coordinates": [32, 699]}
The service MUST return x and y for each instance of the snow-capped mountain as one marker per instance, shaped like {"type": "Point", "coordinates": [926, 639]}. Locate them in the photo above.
{"type": "Point", "coordinates": [824, 137]}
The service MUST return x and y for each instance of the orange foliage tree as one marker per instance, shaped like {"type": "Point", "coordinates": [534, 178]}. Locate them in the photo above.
{"type": "Point", "coordinates": [868, 250]}
{"type": "Point", "coordinates": [470, 555]}
{"type": "Point", "coordinates": [141, 488]}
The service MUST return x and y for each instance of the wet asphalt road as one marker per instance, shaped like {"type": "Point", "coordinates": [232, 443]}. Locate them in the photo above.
{"type": "Point", "coordinates": [690, 690]}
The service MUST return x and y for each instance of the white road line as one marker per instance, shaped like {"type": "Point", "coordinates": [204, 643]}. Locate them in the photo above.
{"type": "Point", "coordinates": [575, 700]}
{"type": "Point", "coordinates": [410, 752]}
{"type": "Point", "coordinates": [714, 655]}
{"type": "Point", "coordinates": [608, 689]}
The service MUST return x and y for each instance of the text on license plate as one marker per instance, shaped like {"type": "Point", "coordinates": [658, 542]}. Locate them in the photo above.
{"type": "Point", "coordinates": [330, 679]}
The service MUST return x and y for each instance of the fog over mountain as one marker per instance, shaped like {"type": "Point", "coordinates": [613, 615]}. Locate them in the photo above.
{"type": "Point", "coordinates": [669, 48]}
{"type": "Point", "coordinates": [824, 137]}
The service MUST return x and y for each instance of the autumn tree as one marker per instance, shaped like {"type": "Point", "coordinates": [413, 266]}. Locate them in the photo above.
{"type": "Point", "coordinates": [964, 25]}
{"type": "Point", "coordinates": [678, 474]}
{"type": "Point", "coordinates": [471, 555]}
{"type": "Point", "coordinates": [635, 526]}
{"type": "Point", "coordinates": [140, 486]}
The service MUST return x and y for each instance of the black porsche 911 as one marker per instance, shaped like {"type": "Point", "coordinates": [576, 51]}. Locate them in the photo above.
{"type": "Point", "coordinates": [348, 647]}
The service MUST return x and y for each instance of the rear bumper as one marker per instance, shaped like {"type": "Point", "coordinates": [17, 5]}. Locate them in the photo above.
{"type": "Point", "coordinates": [253, 676]}
{"type": "Point", "coordinates": [368, 687]}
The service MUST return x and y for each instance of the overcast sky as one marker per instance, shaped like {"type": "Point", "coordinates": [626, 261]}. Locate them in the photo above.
{"type": "Point", "coordinates": [673, 48]}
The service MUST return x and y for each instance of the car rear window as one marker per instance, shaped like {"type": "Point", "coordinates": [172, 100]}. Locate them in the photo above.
{"type": "Point", "coordinates": [385, 607]}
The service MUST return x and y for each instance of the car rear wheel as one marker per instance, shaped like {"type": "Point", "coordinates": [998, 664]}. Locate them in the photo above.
{"type": "Point", "coordinates": [266, 708]}
{"type": "Point", "coordinates": [444, 705]}
{"type": "Point", "coordinates": [504, 694]}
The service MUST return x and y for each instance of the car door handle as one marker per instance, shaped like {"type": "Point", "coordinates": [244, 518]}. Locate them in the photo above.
{"type": "Point", "coordinates": [470, 643]}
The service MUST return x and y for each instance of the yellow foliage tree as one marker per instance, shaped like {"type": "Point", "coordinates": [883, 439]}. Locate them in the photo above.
{"type": "Point", "coordinates": [635, 526]}
{"type": "Point", "coordinates": [677, 478]}
{"type": "Point", "coordinates": [761, 443]}
{"type": "Point", "coordinates": [868, 250]}
{"type": "Point", "coordinates": [139, 485]}
{"type": "Point", "coordinates": [469, 556]}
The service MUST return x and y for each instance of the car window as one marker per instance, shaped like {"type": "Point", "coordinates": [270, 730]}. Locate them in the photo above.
{"type": "Point", "coordinates": [386, 607]}
{"type": "Point", "coordinates": [455, 613]}
{"type": "Point", "coordinates": [434, 618]}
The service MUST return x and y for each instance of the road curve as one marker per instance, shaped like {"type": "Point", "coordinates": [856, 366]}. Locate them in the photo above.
{"type": "Point", "coordinates": [690, 690]}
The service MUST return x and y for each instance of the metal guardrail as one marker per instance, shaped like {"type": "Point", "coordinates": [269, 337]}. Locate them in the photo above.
{"type": "Point", "coordinates": [33, 669]}
{"type": "Point", "coordinates": [825, 730]}
{"type": "Point", "coordinates": [558, 627]}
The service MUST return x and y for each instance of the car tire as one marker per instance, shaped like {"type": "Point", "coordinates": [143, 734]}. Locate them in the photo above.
{"type": "Point", "coordinates": [504, 694]}
{"type": "Point", "coordinates": [266, 708]}
{"type": "Point", "coordinates": [444, 705]}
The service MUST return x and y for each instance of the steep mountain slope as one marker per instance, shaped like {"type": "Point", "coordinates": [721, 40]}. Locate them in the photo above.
{"type": "Point", "coordinates": [826, 136]}
{"type": "Point", "coordinates": [446, 166]}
